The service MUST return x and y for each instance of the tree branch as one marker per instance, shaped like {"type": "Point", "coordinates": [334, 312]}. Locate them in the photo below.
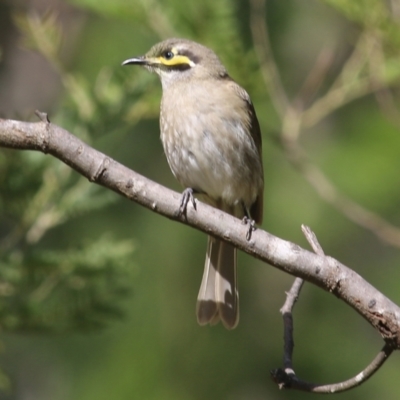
{"type": "Point", "coordinates": [286, 377]}
{"type": "Point", "coordinates": [323, 271]}
{"type": "Point", "coordinates": [287, 380]}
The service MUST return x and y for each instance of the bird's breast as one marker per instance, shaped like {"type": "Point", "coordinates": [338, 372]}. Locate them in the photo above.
{"type": "Point", "coordinates": [210, 149]}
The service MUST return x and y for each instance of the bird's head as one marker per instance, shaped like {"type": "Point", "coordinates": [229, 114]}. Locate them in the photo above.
{"type": "Point", "coordinates": [180, 59]}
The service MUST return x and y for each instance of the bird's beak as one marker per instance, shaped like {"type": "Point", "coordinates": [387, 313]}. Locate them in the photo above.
{"type": "Point", "coordinates": [136, 61]}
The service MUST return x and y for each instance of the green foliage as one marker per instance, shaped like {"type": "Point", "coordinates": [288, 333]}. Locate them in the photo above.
{"type": "Point", "coordinates": [72, 288]}
{"type": "Point", "coordinates": [54, 290]}
{"type": "Point", "coordinates": [68, 289]}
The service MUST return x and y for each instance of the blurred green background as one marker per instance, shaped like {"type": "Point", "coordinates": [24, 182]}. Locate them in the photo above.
{"type": "Point", "coordinates": [97, 295]}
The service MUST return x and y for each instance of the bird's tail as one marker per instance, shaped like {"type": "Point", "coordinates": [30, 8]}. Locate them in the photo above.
{"type": "Point", "coordinates": [218, 297]}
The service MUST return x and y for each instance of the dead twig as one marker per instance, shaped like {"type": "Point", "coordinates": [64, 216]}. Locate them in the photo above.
{"type": "Point", "coordinates": [286, 378]}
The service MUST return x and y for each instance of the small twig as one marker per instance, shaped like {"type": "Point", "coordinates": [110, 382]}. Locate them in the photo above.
{"type": "Point", "coordinates": [347, 86]}
{"type": "Point", "coordinates": [336, 98]}
{"type": "Point", "coordinates": [262, 46]}
{"type": "Point", "coordinates": [286, 377]}
{"type": "Point", "coordinates": [383, 95]}
{"type": "Point", "coordinates": [290, 381]}
{"type": "Point", "coordinates": [312, 240]}
{"type": "Point", "coordinates": [288, 342]}
{"type": "Point", "coordinates": [388, 106]}
{"type": "Point", "coordinates": [361, 216]}
{"type": "Point", "coordinates": [315, 78]}
{"type": "Point", "coordinates": [44, 117]}
{"type": "Point", "coordinates": [291, 299]}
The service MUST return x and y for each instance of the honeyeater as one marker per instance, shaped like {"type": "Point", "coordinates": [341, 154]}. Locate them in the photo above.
{"type": "Point", "coordinates": [212, 141]}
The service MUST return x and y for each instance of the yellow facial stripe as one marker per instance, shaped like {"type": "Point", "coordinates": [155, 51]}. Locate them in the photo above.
{"type": "Point", "coordinates": [177, 60]}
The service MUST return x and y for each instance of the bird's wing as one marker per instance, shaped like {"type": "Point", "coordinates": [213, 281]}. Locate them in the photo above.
{"type": "Point", "coordinates": [256, 210]}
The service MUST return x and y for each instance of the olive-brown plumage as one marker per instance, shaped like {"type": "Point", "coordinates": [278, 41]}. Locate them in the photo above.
{"type": "Point", "coordinates": [212, 141]}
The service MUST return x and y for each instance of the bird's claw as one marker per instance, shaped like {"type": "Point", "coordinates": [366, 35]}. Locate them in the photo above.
{"type": "Point", "coordinates": [252, 226]}
{"type": "Point", "coordinates": [187, 195]}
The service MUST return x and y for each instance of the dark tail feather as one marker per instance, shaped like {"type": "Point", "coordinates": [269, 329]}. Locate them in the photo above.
{"type": "Point", "coordinates": [226, 290]}
{"type": "Point", "coordinates": [218, 295]}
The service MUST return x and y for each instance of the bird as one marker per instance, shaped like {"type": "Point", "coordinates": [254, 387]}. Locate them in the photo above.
{"type": "Point", "coordinates": [212, 140]}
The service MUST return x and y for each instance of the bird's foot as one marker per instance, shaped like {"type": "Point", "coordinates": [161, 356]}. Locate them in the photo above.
{"type": "Point", "coordinates": [187, 195]}
{"type": "Point", "coordinates": [252, 226]}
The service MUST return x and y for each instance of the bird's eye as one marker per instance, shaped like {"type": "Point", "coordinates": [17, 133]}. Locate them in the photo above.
{"type": "Point", "coordinates": [168, 55]}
